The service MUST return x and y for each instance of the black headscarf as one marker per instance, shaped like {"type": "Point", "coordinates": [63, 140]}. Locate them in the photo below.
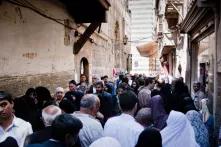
{"type": "Point", "coordinates": [149, 138]}
{"type": "Point", "coordinates": [9, 142]}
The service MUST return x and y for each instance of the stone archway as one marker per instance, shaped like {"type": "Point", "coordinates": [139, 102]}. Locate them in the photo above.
{"type": "Point", "coordinates": [84, 67]}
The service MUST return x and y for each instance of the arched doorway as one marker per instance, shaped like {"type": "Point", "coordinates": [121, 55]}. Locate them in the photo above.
{"type": "Point", "coordinates": [84, 67]}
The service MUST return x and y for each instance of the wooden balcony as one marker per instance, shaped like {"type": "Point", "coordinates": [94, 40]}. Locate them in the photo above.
{"type": "Point", "coordinates": [172, 10]}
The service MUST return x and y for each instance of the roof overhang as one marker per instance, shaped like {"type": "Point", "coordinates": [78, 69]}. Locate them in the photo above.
{"type": "Point", "coordinates": [198, 16]}
{"type": "Point", "coordinates": [87, 11]}
{"type": "Point", "coordinates": [148, 49]}
{"type": "Point", "coordinates": [167, 50]}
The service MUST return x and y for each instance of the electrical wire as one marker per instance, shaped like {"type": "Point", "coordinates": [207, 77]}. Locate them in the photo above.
{"type": "Point", "coordinates": [30, 6]}
{"type": "Point", "coordinates": [15, 2]}
{"type": "Point", "coordinates": [33, 6]}
{"type": "Point", "coordinates": [41, 12]}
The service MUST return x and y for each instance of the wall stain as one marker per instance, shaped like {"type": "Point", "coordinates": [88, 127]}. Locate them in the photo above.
{"type": "Point", "coordinates": [5, 16]}
{"type": "Point", "coordinates": [19, 14]}
{"type": "Point", "coordinates": [18, 11]}
{"type": "Point", "coordinates": [29, 55]}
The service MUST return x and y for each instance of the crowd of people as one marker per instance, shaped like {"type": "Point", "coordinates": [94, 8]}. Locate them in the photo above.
{"type": "Point", "coordinates": [132, 111]}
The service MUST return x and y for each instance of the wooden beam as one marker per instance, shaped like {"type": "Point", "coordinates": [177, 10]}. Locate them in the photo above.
{"type": "Point", "coordinates": [86, 35]}
{"type": "Point", "coordinates": [206, 4]}
{"type": "Point", "coordinates": [105, 4]}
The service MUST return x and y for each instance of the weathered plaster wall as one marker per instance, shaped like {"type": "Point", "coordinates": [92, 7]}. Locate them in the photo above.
{"type": "Point", "coordinates": [32, 48]}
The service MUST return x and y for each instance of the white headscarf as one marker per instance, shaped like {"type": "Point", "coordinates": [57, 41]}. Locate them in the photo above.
{"type": "Point", "coordinates": [105, 142]}
{"type": "Point", "coordinates": [178, 132]}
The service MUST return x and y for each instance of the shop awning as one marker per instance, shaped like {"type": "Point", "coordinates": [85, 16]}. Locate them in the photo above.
{"type": "Point", "coordinates": [148, 49]}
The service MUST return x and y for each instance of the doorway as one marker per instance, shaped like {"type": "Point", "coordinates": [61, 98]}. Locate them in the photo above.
{"type": "Point", "coordinates": [84, 67]}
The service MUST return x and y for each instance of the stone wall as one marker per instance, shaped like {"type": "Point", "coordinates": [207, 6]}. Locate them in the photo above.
{"type": "Point", "coordinates": [17, 85]}
{"type": "Point", "coordinates": [39, 51]}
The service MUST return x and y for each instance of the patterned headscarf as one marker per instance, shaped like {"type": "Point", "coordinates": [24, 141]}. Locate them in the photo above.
{"type": "Point", "coordinates": [201, 133]}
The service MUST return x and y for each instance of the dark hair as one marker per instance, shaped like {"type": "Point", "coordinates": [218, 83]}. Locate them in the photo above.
{"type": "Point", "coordinates": [72, 82]}
{"type": "Point", "coordinates": [67, 106]}
{"type": "Point", "coordinates": [180, 88]}
{"type": "Point", "coordinates": [5, 96]}
{"type": "Point", "coordinates": [9, 142]}
{"type": "Point", "coordinates": [155, 92]}
{"type": "Point", "coordinates": [167, 97]}
{"type": "Point", "coordinates": [43, 93]}
{"type": "Point", "coordinates": [121, 76]}
{"type": "Point", "coordinates": [148, 81]}
{"type": "Point", "coordinates": [188, 104]}
{"type": "Point", "coordinates": [137, 83]}
{"type": "Point", "coordinates": [125, 79]}
{"type": "Point", "coordinates": [123, 86]}
{"type": "Point", "coordinates": [83, 75]}
{"type": "Point", "coordinates": [65, 124]}
{"type": "Point", "coordinates": [105, 76]}
{"type": "Point", "coordinates": [29, 91]}
{"type": "Point", "coordinates": [99, 83]}
{"type": "Point", "coordinates": [181, 96]}
{"type": "Point", "coordinates": [141, 81]}
{"type": "Point", "coordinates": [149, 137]}
{"type": "Point", "coordinates": [128, 100]}
{"type": "Point", "coordinates": [181, 79]}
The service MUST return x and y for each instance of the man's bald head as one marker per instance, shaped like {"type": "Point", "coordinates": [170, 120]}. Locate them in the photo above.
{"type": "Point", "coordinates": [144, 117]}
{"type": "Point", "coordinates": [49, 113]}
{"type": "Point", "coordinates": [90, 102]}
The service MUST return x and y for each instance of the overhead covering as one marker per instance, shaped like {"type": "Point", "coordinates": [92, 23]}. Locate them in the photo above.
{"type": "Point", "coordinates": [148, 49]}
{"type": "Point", "coordinates": [87, 11]}
{"type": "Point", "coordinates": [197, 18]}
{"type": "Point", "coordinates": [167, 49]}
{"type": "Point", "coordinates": [171, 14]}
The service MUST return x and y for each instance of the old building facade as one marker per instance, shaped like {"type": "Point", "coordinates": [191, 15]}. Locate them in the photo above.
{"type": "Point", "coordinates": [202, 25]}
{"type": "Point", "coordinates": [110, 48]}
{"type": "Point", "coordinates": [142, 33]}
{"type": "Point", "coordinates": [172, 44]}
{"type": "Point", "coordinates": [197, 39]}
{"type": "Point", "coordinates": [38, 48]}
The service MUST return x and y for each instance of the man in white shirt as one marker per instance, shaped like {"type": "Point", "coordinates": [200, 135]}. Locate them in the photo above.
{"type": "Point", "coordinates": [11, 125]}
{"type": "Point", "coordinates": [124, 127]}
{"type": "Point", "coordinates": [92, 128]}
{"type": "Point", "coordinates": [106, 142]}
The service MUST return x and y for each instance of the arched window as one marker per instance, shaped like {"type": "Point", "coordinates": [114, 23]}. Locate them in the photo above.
{"type": "Point", "coordinates": [84, 66]}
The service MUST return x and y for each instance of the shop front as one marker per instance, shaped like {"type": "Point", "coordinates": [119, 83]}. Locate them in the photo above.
{"type": "Point", "coordinates": [200, 24]}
